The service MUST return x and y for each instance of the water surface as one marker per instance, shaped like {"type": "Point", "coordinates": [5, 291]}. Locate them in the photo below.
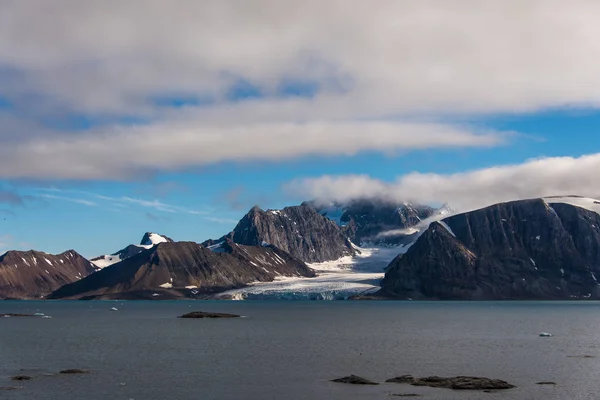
{"type": "Point", "coordinates": [290, 350]}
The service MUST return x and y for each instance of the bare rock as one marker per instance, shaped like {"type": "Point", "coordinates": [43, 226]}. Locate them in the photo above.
{"type": "Point", "coordinates": [354, 380]}
{"type": "Point", "coordinates": [74, 371]}
{"type": "Point", "coordinates": [456, 383]}
{"type": "Point", "coordinates": [22, 378]}
{"type": "Point", "coordinates": [202, 314]}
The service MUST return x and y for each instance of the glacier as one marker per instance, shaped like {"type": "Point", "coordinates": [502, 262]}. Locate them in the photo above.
{"type": "Point", "coordinates": [336, 280]}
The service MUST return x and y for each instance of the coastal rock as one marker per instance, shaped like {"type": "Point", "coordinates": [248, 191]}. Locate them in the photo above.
{"type": "Point", "coordinates": [22, 378]}
{"type": "Point", "coordinates": [74, 371]}
{"type": "Point", "coordinates": [202, 314]}
{"type": "Point", "coordinates": [529, 249]}
{"type": "Point", "coordinates": [456, 383]}
{"type": "Point", "coordinates": [354, 380]}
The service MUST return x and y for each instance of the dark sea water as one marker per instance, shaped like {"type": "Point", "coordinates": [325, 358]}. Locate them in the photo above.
{"type": "Point", "coordinates": [290, 350]}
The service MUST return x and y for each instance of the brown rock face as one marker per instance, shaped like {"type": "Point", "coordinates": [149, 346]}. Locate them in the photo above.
{"type": "Point", "coordinates": [34, 274]}
{"type": "Point", "coordinates": [186, 269]}
{"type": "Point", "coordinates": [300, 231]}
{"type": "Point", "coordinates": [518, 250]}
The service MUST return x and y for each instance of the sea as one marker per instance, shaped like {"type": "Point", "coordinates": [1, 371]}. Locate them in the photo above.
{"type": "Point", "coordinates": [293, 349]}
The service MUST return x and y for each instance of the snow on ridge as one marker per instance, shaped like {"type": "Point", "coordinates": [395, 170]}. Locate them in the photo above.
{"type": "Point", "coordinates": [583, 202]}
{"type": "Point", "coordinates": [445, 225]}
{"type": "Point", "coordinates": [106, 260]}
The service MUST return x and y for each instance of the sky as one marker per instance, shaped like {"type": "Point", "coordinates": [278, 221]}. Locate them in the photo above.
{"type": "Point", "coordinates": [118, 118]}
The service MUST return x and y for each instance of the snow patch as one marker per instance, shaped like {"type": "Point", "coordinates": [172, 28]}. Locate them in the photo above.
{"type": "Point", "coordinates": [107, 260]}
{"type": "Point", "coordinates": [48, 261]}
{"type": "Point", "coordinates": [191, 287]}
{"type": "Point", "coordinates": [166, 285]}
{"type": "Point", "coordinates": [445, 225]}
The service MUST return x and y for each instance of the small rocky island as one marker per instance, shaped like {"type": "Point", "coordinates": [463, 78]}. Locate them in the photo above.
{"type": "Point", "coordinates": [202, 314]}
{"type": "Point", "coordinates": [354, 380]}
{"type": "Point", "coordinates": [456, 383]}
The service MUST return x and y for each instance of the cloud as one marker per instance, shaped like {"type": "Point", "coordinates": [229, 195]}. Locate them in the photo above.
{"type": "Point", "coordinates": [146, 149]}
{"type": "Point", "coordinates": [114, 203]}
{"type": "Point", "coordinates": [468, 190]}
{"type": "Point", "coordinates": [381, 78]}
{"type": "Point", "coordinates": [459, 55]}
{"type": "Point", "coordinates": [69, 199]}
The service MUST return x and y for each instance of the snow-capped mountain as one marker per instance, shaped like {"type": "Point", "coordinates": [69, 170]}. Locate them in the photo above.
{"type": "Point", "coordinates": [148, 241]}
{"type": "Point", "coordinates": [547, 248]}
{"type": "Point", "coordinates": [371, 222]}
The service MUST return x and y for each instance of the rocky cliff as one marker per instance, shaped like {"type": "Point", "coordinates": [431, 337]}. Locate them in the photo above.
{"type": "Point", "coordinates": [186, 269]}
{"type": "Point", "coordinates": [34, 274]}
{"type": "Point", "coordinates": [300, 231]}
{"type": "Point", "coordinates": [526, 249]}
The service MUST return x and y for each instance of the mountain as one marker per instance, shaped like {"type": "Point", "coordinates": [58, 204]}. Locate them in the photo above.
{"type": "Point", "coordinates": [34, 274]}
{"type": "Point", "coordinates": [299, 230]}
{"type": "Point", "coordinates": [186, 269]}
{"type": "Point", "coordinates": [149, 240]}
{"type": "Point", "coordinates": [530, 249]}
{"type": "Point", "coordinates": [372, 222]}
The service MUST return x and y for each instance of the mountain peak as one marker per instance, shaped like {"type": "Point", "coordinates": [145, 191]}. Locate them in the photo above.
{"type": "Point", "coordinates": [151, 239]}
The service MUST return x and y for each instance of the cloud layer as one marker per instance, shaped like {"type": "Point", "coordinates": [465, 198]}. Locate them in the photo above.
{"type": "Point", "coordinates": [469, 190]}
{"type": "Point", "coordinates": [371, 77]}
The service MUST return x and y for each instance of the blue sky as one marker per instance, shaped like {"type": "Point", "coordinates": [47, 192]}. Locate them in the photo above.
{"type": "Point", "coordinates": [112, 125]}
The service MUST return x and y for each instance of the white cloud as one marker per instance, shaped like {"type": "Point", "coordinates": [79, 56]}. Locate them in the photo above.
{"type": "Point", "coordinates": [468, 190]}
{"type": "Point", "coordinates": [69, 199]}
{"type": "Point", "coordinates": [114, 203]}
{"type": "Point", "coordinates": [124, 154]}
{"type": "Point", "coordinates": [382, 61]}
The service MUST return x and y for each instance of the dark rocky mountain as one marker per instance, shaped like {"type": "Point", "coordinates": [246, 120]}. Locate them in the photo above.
{"type": "Point", "coordinates": [299, 230]}
{"type": "Point", "coordinates": [526, 249]}
{"type": "Point", "coordinates": [148, 240]}
{"type": "Point", "coordinates": [34, 274]}
{"type": "Point", "coordinates": [376, 222]}
{"type": "Point", "coordinates": [186, 269]}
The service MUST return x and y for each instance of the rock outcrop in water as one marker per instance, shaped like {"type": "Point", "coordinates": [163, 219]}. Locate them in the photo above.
{"type": "Point", "coordinates": [526, 249]}
{"type": "Point", "coordinates": [299, 231]}
{"type": "Point", "coordinates": [456, 383]}
{"type": "Point", "coordinates": [354, 380]}
{"type": "Point", "coordinates": [203, 314]}
{"type": "Point", "coordinates": [34, 274]}
{"type": "Point", "coordinates": [186, 269]}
